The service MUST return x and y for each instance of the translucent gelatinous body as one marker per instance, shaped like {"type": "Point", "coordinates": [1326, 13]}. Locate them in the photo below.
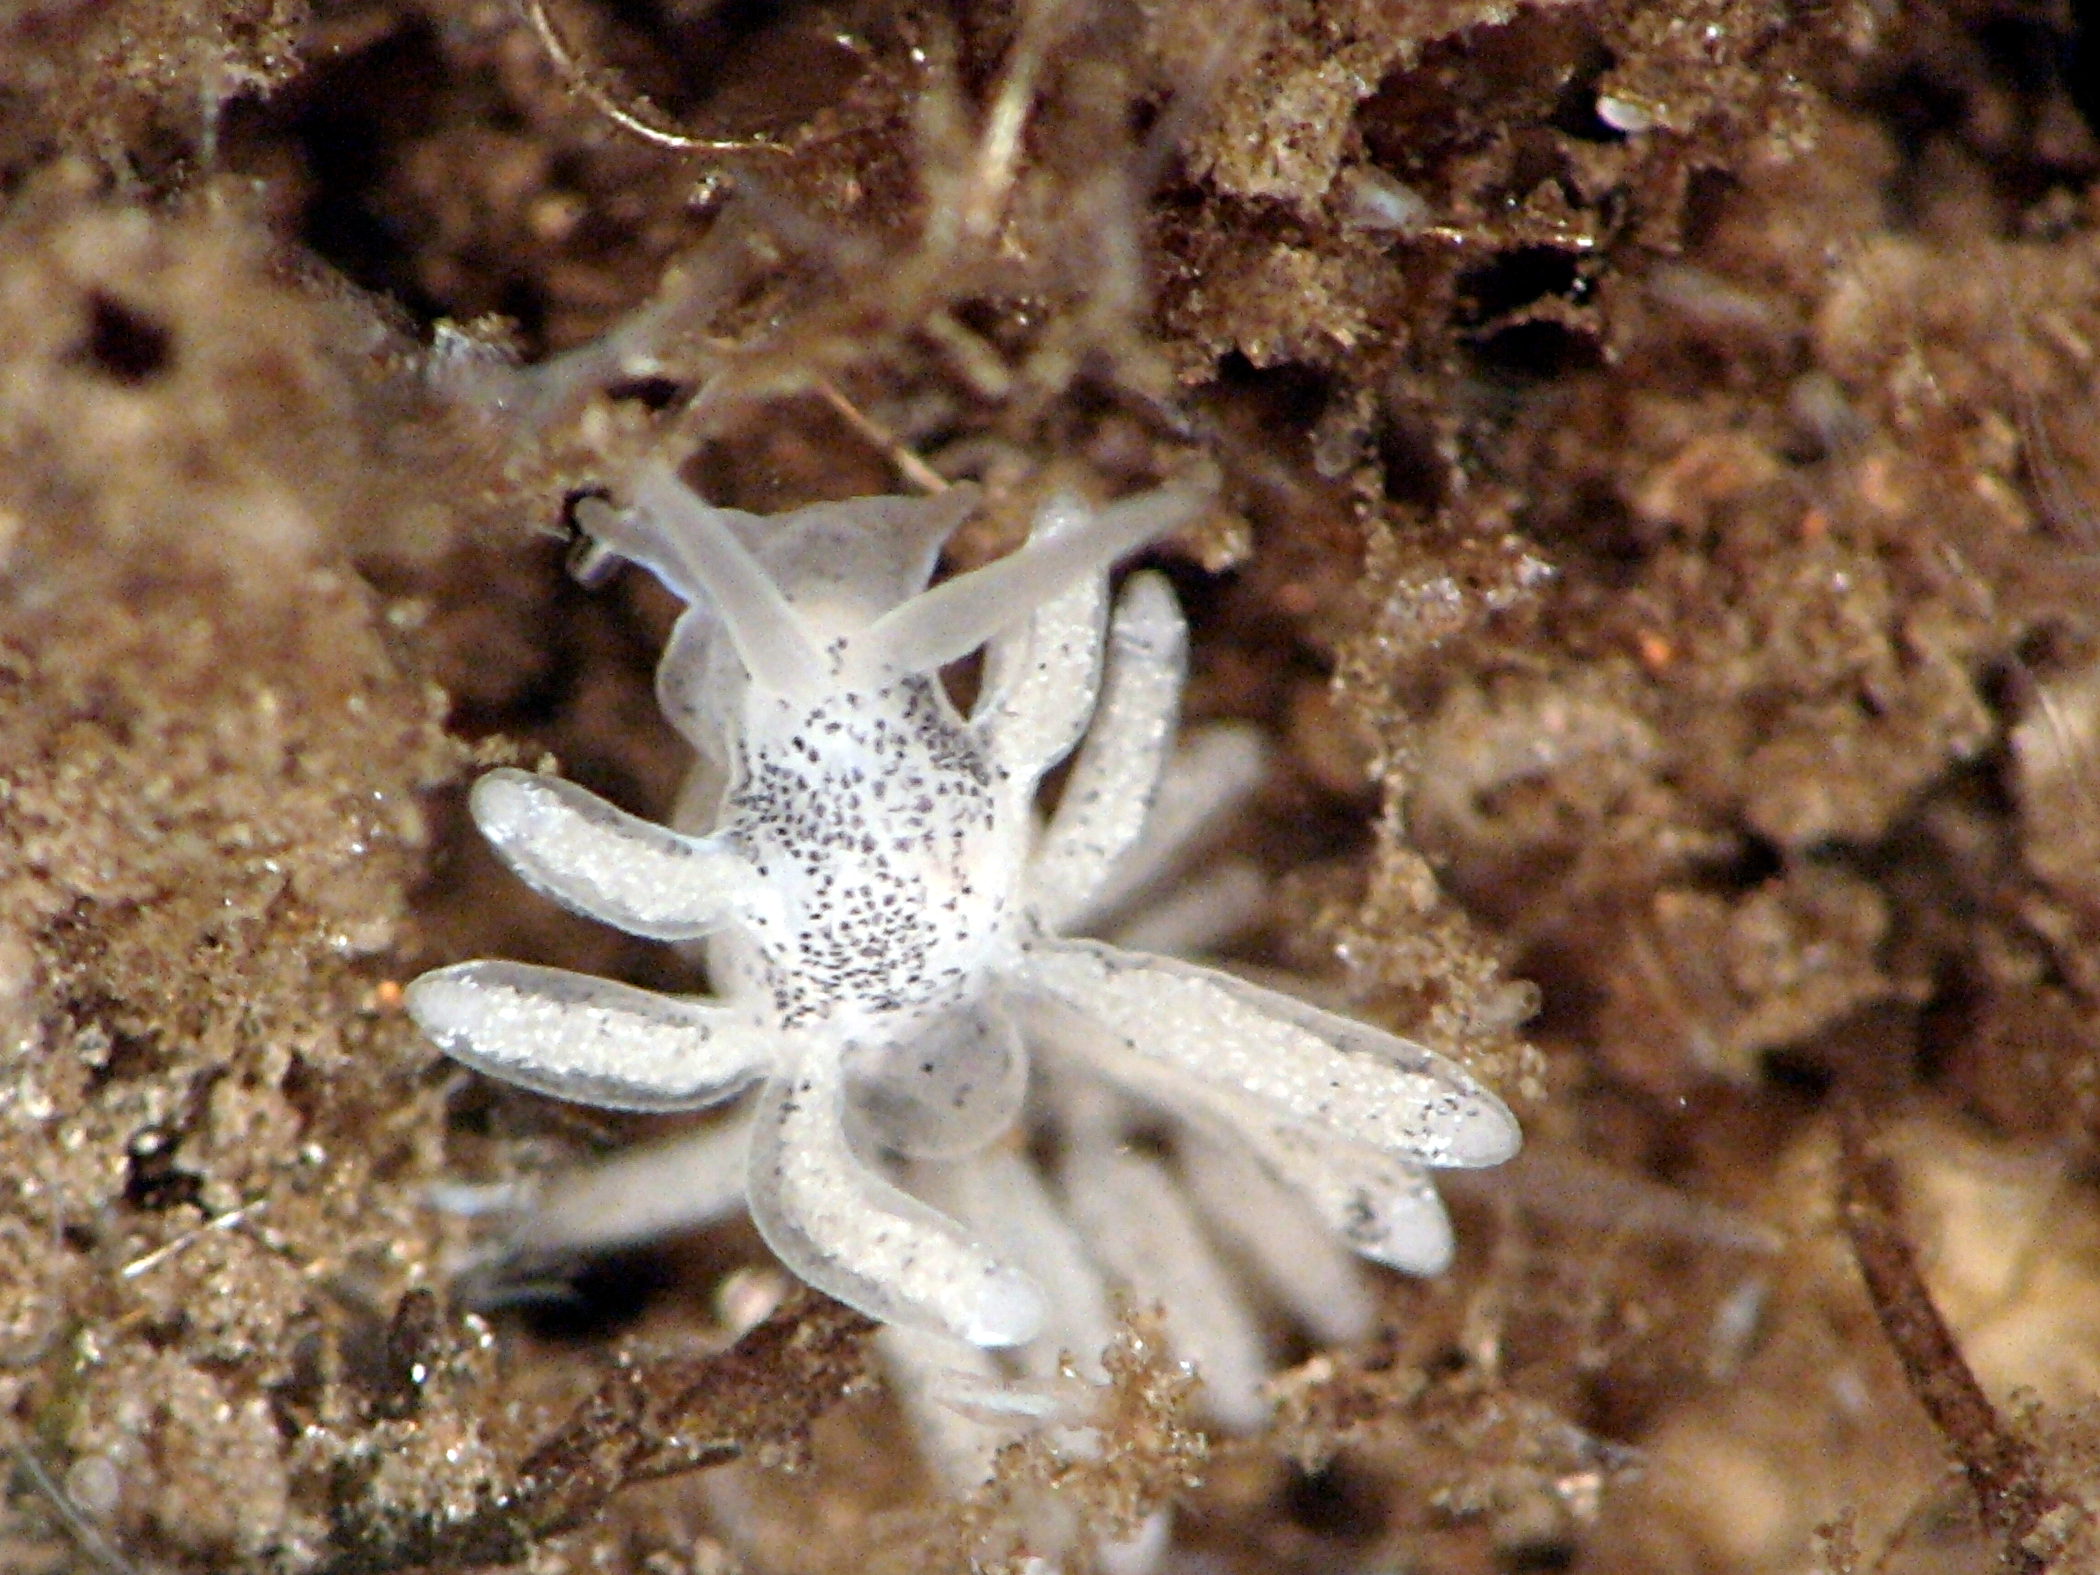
{"type": "Point", "coordinates": [883, 913]}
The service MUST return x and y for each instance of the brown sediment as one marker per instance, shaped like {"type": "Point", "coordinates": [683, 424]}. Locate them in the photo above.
{"type": "Point", "coordinates": [1660, 461]}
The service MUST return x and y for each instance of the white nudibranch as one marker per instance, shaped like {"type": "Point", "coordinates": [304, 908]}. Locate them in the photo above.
{"type": "Point", "coordinates": [887, 918]}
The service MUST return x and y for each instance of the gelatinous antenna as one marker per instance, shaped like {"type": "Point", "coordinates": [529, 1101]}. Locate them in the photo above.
{"type": "Point", "coordinates": [693, 551]}
{"type": "Point", "coordinates": [958, 615]}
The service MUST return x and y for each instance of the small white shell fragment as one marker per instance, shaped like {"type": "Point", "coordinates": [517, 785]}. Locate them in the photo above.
{"type": "Point", "coordinates": [1377, 201]}
{"type": "Point", "coordinates": [1625, 114]}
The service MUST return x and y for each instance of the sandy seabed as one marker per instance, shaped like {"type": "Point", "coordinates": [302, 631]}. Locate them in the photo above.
{"type": "Point", "coordinates": [1658, 528]}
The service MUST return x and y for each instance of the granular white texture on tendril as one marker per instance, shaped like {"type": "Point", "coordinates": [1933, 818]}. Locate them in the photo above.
{"type": "Point", "coordinates": [886, 916]}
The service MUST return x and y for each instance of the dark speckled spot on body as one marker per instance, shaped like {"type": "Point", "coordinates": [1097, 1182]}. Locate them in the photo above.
{"type": "Point", "coordinates": [875, 876]}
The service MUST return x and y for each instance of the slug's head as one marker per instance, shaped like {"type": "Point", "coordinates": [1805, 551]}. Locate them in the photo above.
{"type": "Point", "coordinates": [834, 597]}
